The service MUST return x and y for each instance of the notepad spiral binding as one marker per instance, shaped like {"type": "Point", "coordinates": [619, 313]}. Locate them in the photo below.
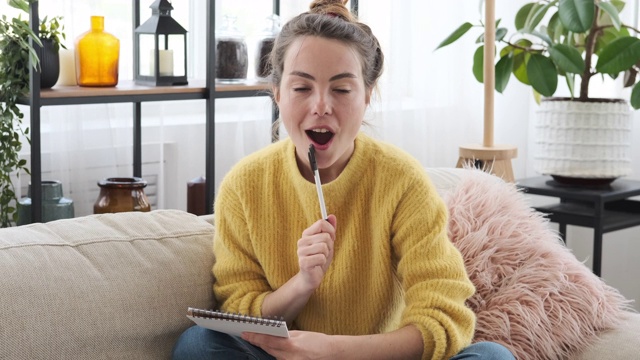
{"type": "Point", "coordinates": [215, 314]}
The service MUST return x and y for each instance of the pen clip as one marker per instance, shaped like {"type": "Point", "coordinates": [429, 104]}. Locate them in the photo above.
{"type": "Point", "coordinates": [312, 158]}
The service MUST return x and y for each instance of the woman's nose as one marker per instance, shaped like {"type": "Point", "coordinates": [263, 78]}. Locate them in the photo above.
{"type": "Point", "coordinates": [322, 105]}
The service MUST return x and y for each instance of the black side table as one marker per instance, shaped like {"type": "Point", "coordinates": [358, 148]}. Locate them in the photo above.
{"type": "Point", "coordinates": [604, 209]}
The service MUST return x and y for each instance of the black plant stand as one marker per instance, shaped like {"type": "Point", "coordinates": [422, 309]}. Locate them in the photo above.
{"type": "Point", "coordinates": [604, 209]}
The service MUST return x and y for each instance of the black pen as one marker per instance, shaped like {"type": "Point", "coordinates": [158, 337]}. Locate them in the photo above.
{"type": "Point", "coordinates": [316, 176]}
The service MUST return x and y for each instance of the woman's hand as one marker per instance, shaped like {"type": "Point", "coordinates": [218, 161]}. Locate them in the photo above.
{"type": "Point", "coordinates": [315, 251]}
{"type": "Point", "coordinates": [300, 345]}
{"type": "Point", "coordinates": [403, 343]}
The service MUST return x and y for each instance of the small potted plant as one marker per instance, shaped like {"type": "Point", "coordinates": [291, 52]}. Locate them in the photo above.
{"type": "Point", "coordinates": [579, 41]}
{"type": "Point", "coordinates": [15, 58]}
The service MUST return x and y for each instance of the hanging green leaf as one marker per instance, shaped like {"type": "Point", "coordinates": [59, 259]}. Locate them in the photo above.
{"type": "Point", "coordinates": [567, 58]}
{"type": "Point", "coordinates": [478, 64]}
{"type": "Point", "coordinates": [520, 59]}
{"type": "Point", "coordinates": [503, 72]}
{"type": "Point", "coordinates": [542, 74]}
{"type": "Point", "coordinates": [635, 97]}
{"type": "Point", "coordinates": [461, 30]}
{"type": "Point", "coordinates": [19, 4]}
{"type": "Point", "coordinates": [555, 30]}
{"type": "Point", "coordinates": [619, 4]}
{"type": "Point", "coordinates": [611, 10]}
{"type": "Point", "coordinates": [501, 33]}
{"type": "Point", "coordinates": [523, 14]}
{"type": "Point", "coordinates": [577, 15]}
{"type": "Point", "coordinates": [536, 15]}
{"type": "Point", "coordinates": [618, 56]}
{"type": "Point", "coordinates": [608, 36]}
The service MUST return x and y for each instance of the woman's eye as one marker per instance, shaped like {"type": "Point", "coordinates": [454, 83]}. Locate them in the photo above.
{"type": "Point", "coordinates": [301, 89]}
{"type": "Point", "coordinates": [342, 91]}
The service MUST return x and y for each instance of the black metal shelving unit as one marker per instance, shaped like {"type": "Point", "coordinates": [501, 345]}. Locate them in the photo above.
{"type": "Point", "coordinates": [129, 92]}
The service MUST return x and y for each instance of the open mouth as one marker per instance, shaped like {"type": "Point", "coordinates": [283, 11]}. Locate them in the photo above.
{"type": "Point", "coordinates": [320, 136]}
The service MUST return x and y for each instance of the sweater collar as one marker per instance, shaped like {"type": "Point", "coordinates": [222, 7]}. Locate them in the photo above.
{"type": "Point", "coordinates": [352, 172]}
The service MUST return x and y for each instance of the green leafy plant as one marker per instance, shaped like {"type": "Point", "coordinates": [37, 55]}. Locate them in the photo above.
{"type": "Point", "coordinates": [575, 39]}
{"type": "Point", "coordinates": [16, 51]}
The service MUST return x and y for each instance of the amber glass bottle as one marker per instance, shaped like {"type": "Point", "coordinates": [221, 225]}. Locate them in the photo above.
{"type": "Point", "coordinates": [97, 55]}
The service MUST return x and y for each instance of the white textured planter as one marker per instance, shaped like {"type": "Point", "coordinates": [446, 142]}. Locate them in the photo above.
{"type": "Point", "coordinates": [583, 139]}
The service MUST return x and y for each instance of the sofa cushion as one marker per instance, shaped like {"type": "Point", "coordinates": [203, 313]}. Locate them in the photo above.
{"type": "Point", "coordinates": [620, 343]}
{"type": "Point", "coordinates": [111, 286]}
{"type": "Point", "coordinates": [533, 295]}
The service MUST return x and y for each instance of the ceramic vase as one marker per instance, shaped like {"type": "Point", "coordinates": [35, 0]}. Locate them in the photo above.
{"type": "Point", "coordinates": [121, 194]}
{"type": "Point", "coordinates": [49, 63]}
{"type": "Point", "coordinates": [54, 205]}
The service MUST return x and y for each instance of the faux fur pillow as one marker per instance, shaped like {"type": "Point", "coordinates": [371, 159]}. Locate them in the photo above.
{"type": "Point", "coordinates": [533, 295]}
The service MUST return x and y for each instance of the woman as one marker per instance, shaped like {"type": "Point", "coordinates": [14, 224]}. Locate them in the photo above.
{"type": "Point", "coordinates": [377, 279]}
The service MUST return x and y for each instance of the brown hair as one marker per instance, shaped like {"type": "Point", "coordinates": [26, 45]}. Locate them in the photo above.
{"type": "Point", "coordinates": [330, 19]}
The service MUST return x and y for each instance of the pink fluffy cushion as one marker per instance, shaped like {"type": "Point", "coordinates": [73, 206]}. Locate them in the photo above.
{"type": "Point", "coordinates": [533, 296]}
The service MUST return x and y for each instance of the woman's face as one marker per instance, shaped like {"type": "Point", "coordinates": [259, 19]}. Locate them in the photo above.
{"type": "Point", "coordinates": [322, 100]}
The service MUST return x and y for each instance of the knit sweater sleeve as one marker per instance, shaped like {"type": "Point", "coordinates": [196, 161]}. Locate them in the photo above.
{"type": "Point", "coordinates": [431, 271]}
{"type": "Point", "coordinates": [240, 283]}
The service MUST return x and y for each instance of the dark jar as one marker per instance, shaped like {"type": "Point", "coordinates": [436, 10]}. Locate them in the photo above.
{"type": "Point", "coordinates": [121, 194]}
{"type": "Point", "coordinates": [265, 45]}
{"type": "Point", "coordinates": [196, 190]}
{"type": "Point", "coordinates": [232, 59]}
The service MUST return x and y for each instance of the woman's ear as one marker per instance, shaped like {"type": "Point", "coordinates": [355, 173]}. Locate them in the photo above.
{"type": "Point", "coordinates": [367, 97]}
{"type": "Point", "coordinates": [276, 94]}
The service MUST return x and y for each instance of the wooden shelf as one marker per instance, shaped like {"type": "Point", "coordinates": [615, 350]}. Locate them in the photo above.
{"type": "Point", "coordinates": [123, 88]}
{"type": "Point", "coordinates": [244, 86]}
{"type": "Point", "coordinates": [128, 91]}
{"type": "Point", "coordinates": [124, 92]}
{"type": "Point", "coordinates": [245, 89]}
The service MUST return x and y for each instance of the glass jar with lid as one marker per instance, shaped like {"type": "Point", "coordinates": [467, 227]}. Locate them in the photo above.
{"type": "Point", "coordinates": [232, 60]}
{"type": "Point", "coordinates": [265, 45]}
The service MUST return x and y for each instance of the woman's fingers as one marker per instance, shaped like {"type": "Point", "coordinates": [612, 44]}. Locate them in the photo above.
{"type": "Point", "coordinates": [322, 226]}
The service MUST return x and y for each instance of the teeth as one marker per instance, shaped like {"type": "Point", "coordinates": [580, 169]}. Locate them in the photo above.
{"type": "Point", "coordinates": [320, 130]}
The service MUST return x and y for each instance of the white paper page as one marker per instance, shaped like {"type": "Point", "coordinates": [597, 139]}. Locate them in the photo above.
{"type": "Point", "coordinates": [238, 327]}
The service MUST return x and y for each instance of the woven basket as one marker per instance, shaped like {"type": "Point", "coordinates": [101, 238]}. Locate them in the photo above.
{"type": "Point", "coordinates": [583, 139]}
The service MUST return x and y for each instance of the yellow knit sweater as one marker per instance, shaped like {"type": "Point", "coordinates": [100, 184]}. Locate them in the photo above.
{"type": "Point", "coordinates": [393, 264]}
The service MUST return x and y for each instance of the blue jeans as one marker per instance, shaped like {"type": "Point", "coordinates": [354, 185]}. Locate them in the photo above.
{"type": "Point", "coordinates": [200, 343]}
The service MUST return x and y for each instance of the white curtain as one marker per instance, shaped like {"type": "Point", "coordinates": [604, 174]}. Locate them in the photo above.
{"type": "Point", "coordinates": [428, 103]}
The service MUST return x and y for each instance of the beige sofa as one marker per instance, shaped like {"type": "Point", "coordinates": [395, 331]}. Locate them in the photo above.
{"type": "Point", "coordinates": [117, 286]}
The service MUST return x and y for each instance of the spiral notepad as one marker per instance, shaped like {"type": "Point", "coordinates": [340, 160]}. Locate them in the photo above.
{"type": "Point", "coordinates": [236, 324]}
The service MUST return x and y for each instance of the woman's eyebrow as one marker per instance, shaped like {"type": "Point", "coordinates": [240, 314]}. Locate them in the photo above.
{"type": "Point", "coordinates": [333, 78]}
{"type": "Point", "coordinates": [342, 76]}
{"type": "Point", "coordinates": [302, 74]}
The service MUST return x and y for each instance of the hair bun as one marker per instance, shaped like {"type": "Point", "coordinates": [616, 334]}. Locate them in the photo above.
{"type": "Point", "coordinates": [331, 7]}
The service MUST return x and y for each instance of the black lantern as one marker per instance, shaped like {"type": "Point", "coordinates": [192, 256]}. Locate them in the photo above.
{"type": "Point", "coordinates": [160, 40]}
